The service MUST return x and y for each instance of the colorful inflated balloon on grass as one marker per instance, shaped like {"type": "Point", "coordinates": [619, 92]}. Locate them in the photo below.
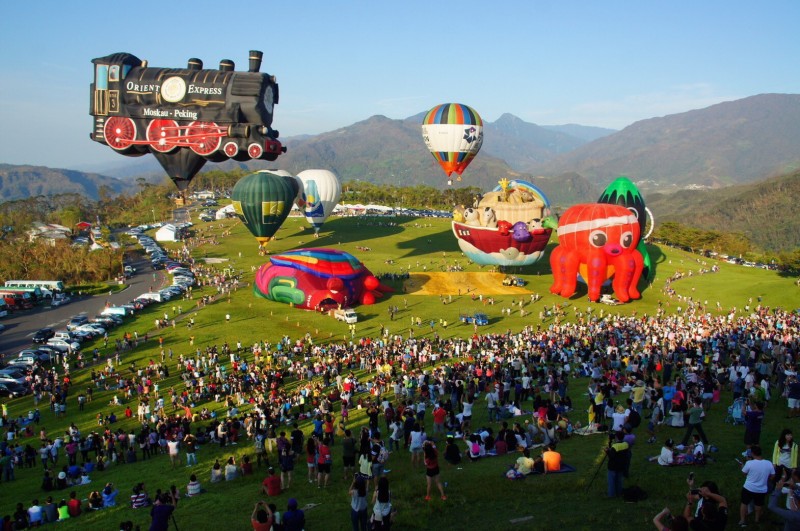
{"type": "Point", "coordinates": [317, 279]}
{"type": "Point", "coordinates": [624, 193]}
{"type": "Point", "coordinates": [597, 241]}
{"type": "Point", "coordinates": [263, 200]}
{"type": "Point", "coordinates": [320, 195]}
{"type": "Point", "coordinates": [453, 133]}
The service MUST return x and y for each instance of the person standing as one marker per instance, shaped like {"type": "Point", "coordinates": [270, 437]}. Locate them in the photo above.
{"type": "Point", "coordinates": [753, 420]}
{"type": "Point", "coordinates": [348, 454]}
{"type": "Point", "coordinates": [324, 460]}
{"type": "Point", "coordinates": [759, 473]}
{"type": "Point", "coordinates": [358, 504]}
{"type": "Point", "coordinates": [294, 519]}
{"type": "Point", "coordinates": [432, 469]}
{"type": "Point", "coordinates": [492, 398]}
{"type": "Point", "coordinates": [162, 510]}
{"type": "Point", "coordinates": [190, 443]}
{"type": "Point", "coordinates": [695, 422]}
{"type": "Point", "coordinates": [618, 460]}
{"type": "Point", "coordinates": [174, 457]}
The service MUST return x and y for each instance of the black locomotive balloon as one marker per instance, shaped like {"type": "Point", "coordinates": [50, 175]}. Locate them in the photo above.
{"type": "Point", "coordinates": [184, 116]}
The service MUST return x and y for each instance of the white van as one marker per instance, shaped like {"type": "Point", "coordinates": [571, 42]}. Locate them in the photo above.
{"type": "Point", "coordinates": [152, 296]}
{"type": "Point", "coordinates": [115, 310]}
{"type": "Point", "coordinates": [348, 315]}
{"type": "Point", "coordinates": [63, 334]}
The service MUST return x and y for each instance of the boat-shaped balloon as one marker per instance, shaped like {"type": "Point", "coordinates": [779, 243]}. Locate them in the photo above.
{"type": "Point", "coordinates": [510, 226]}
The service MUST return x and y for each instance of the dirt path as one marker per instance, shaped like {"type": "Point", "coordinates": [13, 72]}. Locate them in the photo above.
{"type": "Point", "coordinates": [451, 283]}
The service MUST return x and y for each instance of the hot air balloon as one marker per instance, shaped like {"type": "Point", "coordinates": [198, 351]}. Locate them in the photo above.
{"type": "Point", "coordinates": [263, 200]}
{"type": "Point", "coordinates": [319, 196]}
{"type": "Point", "coordinates": [317, 279]}
{"type": "Point", "coordinates": [597, 241]}
{"type": "Point", "coordinates": [624, 193]}
{"type": "Point", "coordinates": [453, 133]}
{"type": "Point", "coordinates": [184, 116]}
{"type": "Point", "coordinates": [507, 227]}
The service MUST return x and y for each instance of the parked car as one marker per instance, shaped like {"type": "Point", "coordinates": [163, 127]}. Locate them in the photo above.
{"type": "Point", "coordinates": [42, 335]}
{"type": "Point", "coordinates": [479, 319]}
{"type": "Point", "coordinates": [64, 345]}
{"type": "Point", "coordinates": [14, 374]}
{"type": "Point", "coordinates": [12, 390]}
{"type": "Point", "coordinates": [60, 299]}
{"type": "Point", "coordinates": [77, 321]}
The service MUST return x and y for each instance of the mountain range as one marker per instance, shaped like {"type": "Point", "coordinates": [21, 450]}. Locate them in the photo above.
{"type": "Point", "coordinates": [671, 158]}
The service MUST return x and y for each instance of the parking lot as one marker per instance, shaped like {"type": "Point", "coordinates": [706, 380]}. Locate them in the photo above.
{"type": "Point", "coordinates": [21, 326]}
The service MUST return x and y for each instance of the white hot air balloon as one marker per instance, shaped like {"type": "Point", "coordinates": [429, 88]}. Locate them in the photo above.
{"type": "Point", "coordinates": [320, 195]}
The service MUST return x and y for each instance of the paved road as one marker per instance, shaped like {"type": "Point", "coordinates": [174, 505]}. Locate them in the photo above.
{"type": "Point", "coordinates": [21, 326]}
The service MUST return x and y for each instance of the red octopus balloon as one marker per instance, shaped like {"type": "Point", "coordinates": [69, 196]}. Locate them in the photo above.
{"type": "Point", "coordinates": [597, 241]}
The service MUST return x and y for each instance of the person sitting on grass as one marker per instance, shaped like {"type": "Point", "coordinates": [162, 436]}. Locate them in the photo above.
{"type": "Point", "coordinates": [262, 518]}
{"type": "Point", "coordinates": [551, 459]}
{"type": "Point", "coordinates": [109, 495]}
{"type": "Point", "coordinates": [451, 452]}
{"type": "Point", "coordinates": [524, 464]}
{"type": "Point", "coordinates": [193, 488]}
{"type": "Point", "coordinates": [216, 472]}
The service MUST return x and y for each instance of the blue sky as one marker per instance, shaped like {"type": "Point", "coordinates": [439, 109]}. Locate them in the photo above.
{"type": "Point", "coordinates": [606, 63]}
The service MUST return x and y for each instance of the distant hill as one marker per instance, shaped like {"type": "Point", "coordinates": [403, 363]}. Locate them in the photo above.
{"type": "Point", "coordinates": [729, 143]}
{"type": "Point", "coordinates": [584, 132]}
{"type": "Point", "coordinates": [17, 182]}
{"type": "Point", "coordinates": [766, 212]}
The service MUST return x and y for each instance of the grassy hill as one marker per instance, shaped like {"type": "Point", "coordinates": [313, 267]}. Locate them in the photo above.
{"type": "Point", "coordinates": [478, 493]}
{"type": "Point", "coordinates": [763, 211]}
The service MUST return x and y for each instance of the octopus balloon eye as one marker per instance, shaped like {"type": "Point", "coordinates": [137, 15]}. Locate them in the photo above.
{"type": "Point", "coordinates": [598, 238]}
{"type": "Point", "coordinates": [626, 239]}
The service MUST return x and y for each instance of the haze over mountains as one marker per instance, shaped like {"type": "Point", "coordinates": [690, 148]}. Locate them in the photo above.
{"type": "Point", "coordinates": [737, 142]}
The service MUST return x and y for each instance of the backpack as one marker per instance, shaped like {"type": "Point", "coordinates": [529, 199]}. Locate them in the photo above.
{"type": "Point", "coordinates": [383, 455]}
{"type": "Point", "coordinates": [634, 419]}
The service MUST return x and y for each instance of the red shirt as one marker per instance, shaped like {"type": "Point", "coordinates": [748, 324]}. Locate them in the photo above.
{"type": "Point", "coordinates": [273, 484]}
{"type": "Point", "coordinates": [439, 415]}
{"type": "Point", "coordinates": [324, 454]}
{"type": "Point", "coordinates": [74, 507]}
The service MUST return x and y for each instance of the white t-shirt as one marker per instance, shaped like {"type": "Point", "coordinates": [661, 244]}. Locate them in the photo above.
{"type": "Point", "coordinates": [467, 409]}
{"type": "Point", "coordinates": [173, 447]}
{"type": "Point", "coordinates": [666, 458]}
{"type": "Point", "coordinates": [417, 438]}
{"type": "Point", "coordinates": [619, 421]}
{"type": "Point", "coordinates": [758, 472]}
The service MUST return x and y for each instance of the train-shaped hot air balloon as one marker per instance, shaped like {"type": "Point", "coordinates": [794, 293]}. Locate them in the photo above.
{"type": "Point", "coordinates": [184, 116]}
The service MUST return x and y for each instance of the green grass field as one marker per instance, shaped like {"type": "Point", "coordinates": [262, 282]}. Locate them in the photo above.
{"type": "Point", "coordinates": [478, 493]}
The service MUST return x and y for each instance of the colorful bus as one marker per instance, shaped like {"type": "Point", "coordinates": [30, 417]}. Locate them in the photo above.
{"type": "Point", "coordinates": [52, 285]}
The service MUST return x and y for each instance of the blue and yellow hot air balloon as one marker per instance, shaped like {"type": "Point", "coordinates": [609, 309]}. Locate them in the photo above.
{"type": "Point", "coordinates": [319, 196]}
{"type": "Point", "coordinates": [453, 132]}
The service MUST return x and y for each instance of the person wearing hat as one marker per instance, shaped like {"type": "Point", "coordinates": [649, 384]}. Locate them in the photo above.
{"type": "Point", "coordinates": [271, 486]}
{"type": "Point", "coordinates": [294, 519]}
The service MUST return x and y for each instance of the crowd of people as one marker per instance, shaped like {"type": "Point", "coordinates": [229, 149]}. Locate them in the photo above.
{"type": "Point", "coordinates": [671, 365]}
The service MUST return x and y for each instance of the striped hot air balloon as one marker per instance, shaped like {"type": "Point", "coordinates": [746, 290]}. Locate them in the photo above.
{"type": "Point", "coordinates": [453, 133]}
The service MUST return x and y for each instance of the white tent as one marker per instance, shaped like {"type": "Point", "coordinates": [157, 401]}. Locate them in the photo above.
{"type": "Point", "coordinates": [223, 212]}
{"type": "Point", "coordinates": [167, 233]}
